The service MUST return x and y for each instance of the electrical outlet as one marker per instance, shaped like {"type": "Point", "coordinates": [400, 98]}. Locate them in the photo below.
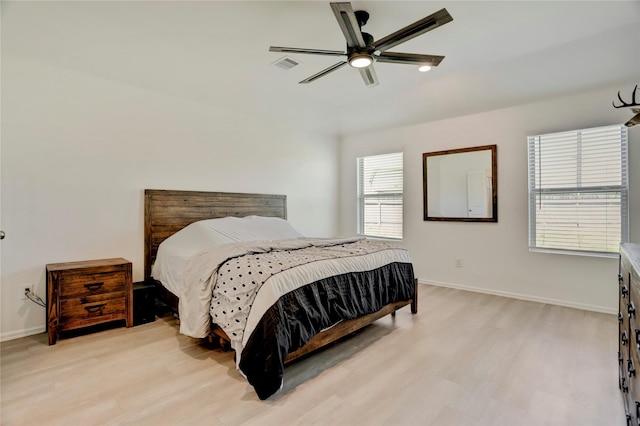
{"type": "Point", "coordinates": [458, 262]}
{"type": "Point", "coordinates": [25, 289]}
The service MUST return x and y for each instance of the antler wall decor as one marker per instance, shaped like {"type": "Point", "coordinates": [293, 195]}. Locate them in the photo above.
{"type": "Point", "coordinates": [636, 118]}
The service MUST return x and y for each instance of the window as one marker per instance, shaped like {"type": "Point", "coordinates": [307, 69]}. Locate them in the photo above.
{"type": "Point", "coordinates": [578, 191]}
{"type": "Point", "coordinates": [380, 196]}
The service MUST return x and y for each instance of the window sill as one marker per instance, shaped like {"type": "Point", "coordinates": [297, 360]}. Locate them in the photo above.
{"type": "Point", "coordinates": [372, 237]}
{"type": "Point", "coordinates": [574, 252]}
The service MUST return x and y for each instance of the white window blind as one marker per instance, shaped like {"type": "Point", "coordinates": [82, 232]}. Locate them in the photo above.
{"type": "Point", "coordinates": [380, 195]}
{"type": "Point", "coordinates": [578, 190]}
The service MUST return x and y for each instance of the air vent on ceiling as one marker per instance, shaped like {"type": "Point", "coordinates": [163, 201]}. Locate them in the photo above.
{"type": "Point", "coordinates": [286, 63]}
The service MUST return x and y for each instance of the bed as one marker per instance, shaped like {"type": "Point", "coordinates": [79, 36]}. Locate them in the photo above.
{"type": "Point", "coordinates": [301, 305]}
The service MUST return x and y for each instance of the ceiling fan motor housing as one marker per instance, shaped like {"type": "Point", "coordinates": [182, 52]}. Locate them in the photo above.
{"type": "Point", "coordinates": [368, 41]}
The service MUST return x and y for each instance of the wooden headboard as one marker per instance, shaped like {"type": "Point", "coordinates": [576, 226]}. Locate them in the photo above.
{"type": "Point", "coordinates": [166, 212]}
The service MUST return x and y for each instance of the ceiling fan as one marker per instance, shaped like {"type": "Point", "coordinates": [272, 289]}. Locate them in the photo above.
{"type": "Point", "coordinates": [362, 51]}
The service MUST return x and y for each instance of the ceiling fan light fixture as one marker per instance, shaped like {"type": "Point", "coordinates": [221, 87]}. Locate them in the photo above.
{"type": "Point", "coordinates": [360, 60]}
{"type": "Point", "coordinates": [424, 68]}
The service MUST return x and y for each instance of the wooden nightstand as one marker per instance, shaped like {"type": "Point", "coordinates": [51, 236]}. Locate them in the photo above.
{"type": "Point", "coordinates": [82, 294]}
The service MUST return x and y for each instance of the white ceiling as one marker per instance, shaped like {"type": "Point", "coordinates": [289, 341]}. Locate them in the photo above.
{"type": "Point", "coordinates": [497, 54]}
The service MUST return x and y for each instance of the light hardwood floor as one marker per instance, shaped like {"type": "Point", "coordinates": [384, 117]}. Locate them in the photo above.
{"type": "Point", "coordinates": [464, 359]}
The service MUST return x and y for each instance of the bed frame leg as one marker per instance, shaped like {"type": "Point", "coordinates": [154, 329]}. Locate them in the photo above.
{"type": "Point", "coordinates": [414, 302]}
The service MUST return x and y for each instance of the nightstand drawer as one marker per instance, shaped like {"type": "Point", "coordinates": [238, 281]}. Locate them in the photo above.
{"type": "Point", "coordinates": [90, 284]}
{"type": "Point", "coordinates": [94, 309]}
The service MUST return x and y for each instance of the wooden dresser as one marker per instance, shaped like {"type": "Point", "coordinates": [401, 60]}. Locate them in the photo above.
{"type": "Point", "coordinates": [629, 330]}
{"type": "Point", "coordinates": [82, 294]}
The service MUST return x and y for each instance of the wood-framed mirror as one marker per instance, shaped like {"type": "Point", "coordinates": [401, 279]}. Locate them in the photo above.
{"type": "Point", "coordinates": [461, 184]}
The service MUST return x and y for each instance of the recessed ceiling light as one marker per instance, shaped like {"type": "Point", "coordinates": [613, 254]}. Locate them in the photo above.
{"type": "Point", "coordinates": [424, 68]}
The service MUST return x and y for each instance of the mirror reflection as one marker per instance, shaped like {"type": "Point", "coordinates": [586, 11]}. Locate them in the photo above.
{"type": "Point", "coordinates": [461, 184]}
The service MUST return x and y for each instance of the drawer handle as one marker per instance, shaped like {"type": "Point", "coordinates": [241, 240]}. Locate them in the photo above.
{"type": "Point", "coordinates": [619, 278]}
{"type": "Point", "coordinates": [623, 385]}
{"type": "Point", "coordinates": [632, 310]}
{"type": "Point", "coordinates": [93, 286]}
{"type": "Point", "coordinates": [631, 368]}
{"type": "Point", "coordinates": [619, 357]}
{"type": "Point", "coordinates": [620, 317]}
{"type": "Point", "coordinates": [624, 290]}
{"type": "Point", "coordinates": [95, 308]}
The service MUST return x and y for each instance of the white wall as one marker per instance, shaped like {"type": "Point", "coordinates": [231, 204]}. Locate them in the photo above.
{"type": "Point", "coordinates": [78, 152]}
{"type": "Point", "coordinates": [495, 256]}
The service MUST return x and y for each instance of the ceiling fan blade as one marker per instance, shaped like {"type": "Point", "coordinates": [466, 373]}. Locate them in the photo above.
{"type": "Point", "coordinates": [429, 23]}
{"type": "Point", "coordinates": [346, 18]}
{"type": "Point", "coordinates": [409, 58]}
{"type": "Point", "coordinates": [323, 72]}
{"type": "Point", "coordinates": [307, 51]}
{"type": "Point", "coordinates": [369, 76]}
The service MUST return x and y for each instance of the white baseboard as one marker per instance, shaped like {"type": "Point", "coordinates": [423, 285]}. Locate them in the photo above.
{"type": "Point", "coordinates": [528, 297]}
{"type": "Point", "coordinates": [21, 333]}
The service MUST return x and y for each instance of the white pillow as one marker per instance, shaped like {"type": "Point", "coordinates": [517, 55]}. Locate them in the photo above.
{"type": "Point", "coordinates": [271, 228]}
{"type": "Point", "coordinates": [174, 252]}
